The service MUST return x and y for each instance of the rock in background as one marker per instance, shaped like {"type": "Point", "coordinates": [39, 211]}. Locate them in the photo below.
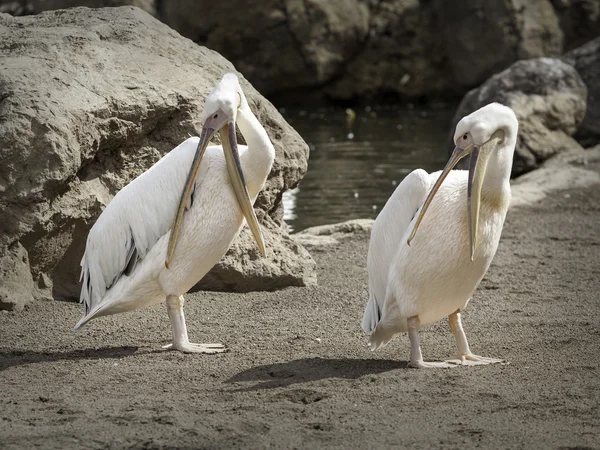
{"type": "Point", "coordinates": [482, 38]}
{"type": "Point", "coordinates": [586, 60]}
{"type": "Point", "coordinates": [357, 48]}
{"type": "Point", "coordinates": [89, 99]}
{"type": "Point", "coordinates": [26, 7]}
{"type": "Point", "coordinates": [579, 20]}
{"type": "Point", "coordinates": [346, 49]}
{"type": "Point", "coordinates": [549, 99]}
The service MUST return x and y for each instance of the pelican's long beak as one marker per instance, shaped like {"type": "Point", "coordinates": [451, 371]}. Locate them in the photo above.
{"type": "Point", "coordinates": [232, 158]}
{"type": "Point", "coordinates": [205, 136]}
{"type": "Point", "coordinates": [457, 155]}
{"type": "Point", "coordinates": [477, 166]}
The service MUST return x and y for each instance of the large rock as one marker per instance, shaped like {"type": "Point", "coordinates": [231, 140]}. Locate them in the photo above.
{"type": "Point", "coordinates": [586, 59]}
{"type": "Point", "coordinates": [357, 48]}
{"type": "Point", "coordinates": [549, 99]}
{"type": "Point", "coordinates": [89, 99]}
{"type": "Point", "coordinates": [16, 284]}
{"type": "Point", "coordinates": [579, 20]}
{"type": "Point", "coordinates": [25, 7]}
{"type": "Point", "coordinates": [483, 37]}
{"type": "Point", "coordinates": [285, 264]}
{"type": "Point", "coordinates": [403, 55]}
{"type": "Point", "coordinates": [294, 44]}
{"type": "Point", "coordinates": [573, 169]}
{"type": "Point", "coordinates": [323, 236]}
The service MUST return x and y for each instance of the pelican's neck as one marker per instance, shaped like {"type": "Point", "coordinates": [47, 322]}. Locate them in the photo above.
{"type": "Point", "coordinates": [258, 159]}
{"type": "Point", "coordinates": [496, 185]}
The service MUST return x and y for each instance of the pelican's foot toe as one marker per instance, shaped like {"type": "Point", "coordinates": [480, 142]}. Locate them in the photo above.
{"type": "Point", "coordinates": [475, 360]}
{"type": "Point", "coordinates": [188, 347]}
{"type": "Point", "coordinates": [430, 364]}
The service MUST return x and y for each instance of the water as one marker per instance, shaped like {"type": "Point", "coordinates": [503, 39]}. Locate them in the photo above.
{"type": "Point", "coordinates": [355, 166]}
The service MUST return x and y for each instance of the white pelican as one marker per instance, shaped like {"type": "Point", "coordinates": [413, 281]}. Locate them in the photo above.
{"type": "Point", "coordinates": [416, 279]}
{"type": "Point", "coordinates": [131, 258]}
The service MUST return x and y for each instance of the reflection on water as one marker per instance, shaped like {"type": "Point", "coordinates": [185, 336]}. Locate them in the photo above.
{"type": "Point", "coordinates": [356, 163]}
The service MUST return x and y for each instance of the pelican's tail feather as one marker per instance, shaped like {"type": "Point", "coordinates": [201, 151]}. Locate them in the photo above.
{"type": "Point", "coordinates": [98, 311]}
{"type": "Point", "coordinates": [85, 319]}
{"type": "Point", "coordinates": [372, 315]}
{"type": "Point", "coordinates": [380, 337]}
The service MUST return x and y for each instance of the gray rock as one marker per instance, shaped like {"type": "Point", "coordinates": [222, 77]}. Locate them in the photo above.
{"type": "Point", "coordinates": [586, 59]}
{"type": "Point", "coordinates": [278, 45]}
{"type": "Point", "coordinates": [25, 7]}
{"type": "Point", "coordinates": [403, 54]}
{"type": "Point", "coordinates": [481, 38]}
{"type": "Point", "coordinates": [358, 48]}
{"type": "Point", "coordinates": [579, 20]}
{"type": "Point", "coordinates": [89, 99]}
{"type": "Point", "coordinates": [549, 99]}
{"type": "Point", "coordinates": [328, 235]}
{"type": "Point", "coordinates": [287, 264]}
{"type": "Point", "coordinates": [573, 169]}
{"type": "Point", "coordinates": [16, 283]}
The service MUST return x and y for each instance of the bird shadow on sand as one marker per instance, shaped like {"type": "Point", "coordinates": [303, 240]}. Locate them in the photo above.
{"type": "Point", "coordinates": [270, 376]}
{"type": "Point", "coordinates": [11, 358]}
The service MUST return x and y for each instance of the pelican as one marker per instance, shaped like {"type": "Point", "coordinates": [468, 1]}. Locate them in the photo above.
{"type": "Point", "coordinates": [416, 279]}
{"type": "Point", "coordinates": [167, 228]}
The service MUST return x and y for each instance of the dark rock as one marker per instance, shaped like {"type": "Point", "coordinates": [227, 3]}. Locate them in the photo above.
{"type": "Point", "coordinates": [579, 20]}
{"type": "Point", "coordinates": [353, 48]}
{"type": "Point", "coordinates": [89, 99]}
{"type": "Point", "coordinates": [278, 45]}
{"type": "Point", "coordinates": [481, 38]}
{"type": "Point", "coordinates": [549, 99]}
{"type": "Point", "coordinates": [403, 55]}
{"type": "Point", "coordinates": [586, 59]}
{"type": "Point", "coordinates": [359, 48]}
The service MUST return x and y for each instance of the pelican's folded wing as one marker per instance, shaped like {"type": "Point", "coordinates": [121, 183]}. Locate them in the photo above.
{"type": "Point", "coordinates": [136, 218]}
{"type": "Point", "coordinates": [388, 233]}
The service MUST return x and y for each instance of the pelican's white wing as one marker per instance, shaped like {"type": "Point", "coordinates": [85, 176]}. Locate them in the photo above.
{"type": "Point", "coordinates": [136, 218]}
{"type": "Point", "coordinates": [389, 229]}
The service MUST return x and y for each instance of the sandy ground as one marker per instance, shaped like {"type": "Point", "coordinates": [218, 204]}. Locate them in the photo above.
{"type": "Point", "coordinates": [299, 374]}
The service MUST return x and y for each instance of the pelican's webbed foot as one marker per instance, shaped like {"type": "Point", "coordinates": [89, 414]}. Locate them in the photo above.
{"type": "Point", "coordinates": [188, 347]}
{"type": "Point", "coordinates": [470, 359]}
{"type": "Point", "coordinates": [181, 341]}
{"type": "Point", "coordinates": [420, 364]}
{"type": "Point", "coordinates": [465, 357]}
{"type": "Point", "coordinates": [416, 357]}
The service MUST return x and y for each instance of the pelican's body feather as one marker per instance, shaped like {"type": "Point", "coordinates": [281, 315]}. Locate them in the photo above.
{"type": "Point", "coordinates": [416, 279]}
{"type": "Point", "coordinates": [420, 279]}
{"type": "Point", "coordinates": [133, 231]}
{"type": "Point", "coordinates": [123, 267]}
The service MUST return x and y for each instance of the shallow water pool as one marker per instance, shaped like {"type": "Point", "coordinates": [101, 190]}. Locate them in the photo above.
{"type": "Point", "coordinates": [355, 164]}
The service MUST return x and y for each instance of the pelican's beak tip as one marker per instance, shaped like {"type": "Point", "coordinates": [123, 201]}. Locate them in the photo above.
{"type": "Point", "coordinates": [408, 242]}
{"type": "Point", "coordinates": [167, 264]}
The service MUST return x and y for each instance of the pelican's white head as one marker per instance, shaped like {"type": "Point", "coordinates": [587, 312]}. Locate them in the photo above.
{"type": "Point", "coordinates": [492, 125]}
{"type": "Point", "coordinates": [219, 115]}
{"type": "Point", "coordinates": [489, 135]}
{"type": "Point", "coordinates": [222, 104]}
